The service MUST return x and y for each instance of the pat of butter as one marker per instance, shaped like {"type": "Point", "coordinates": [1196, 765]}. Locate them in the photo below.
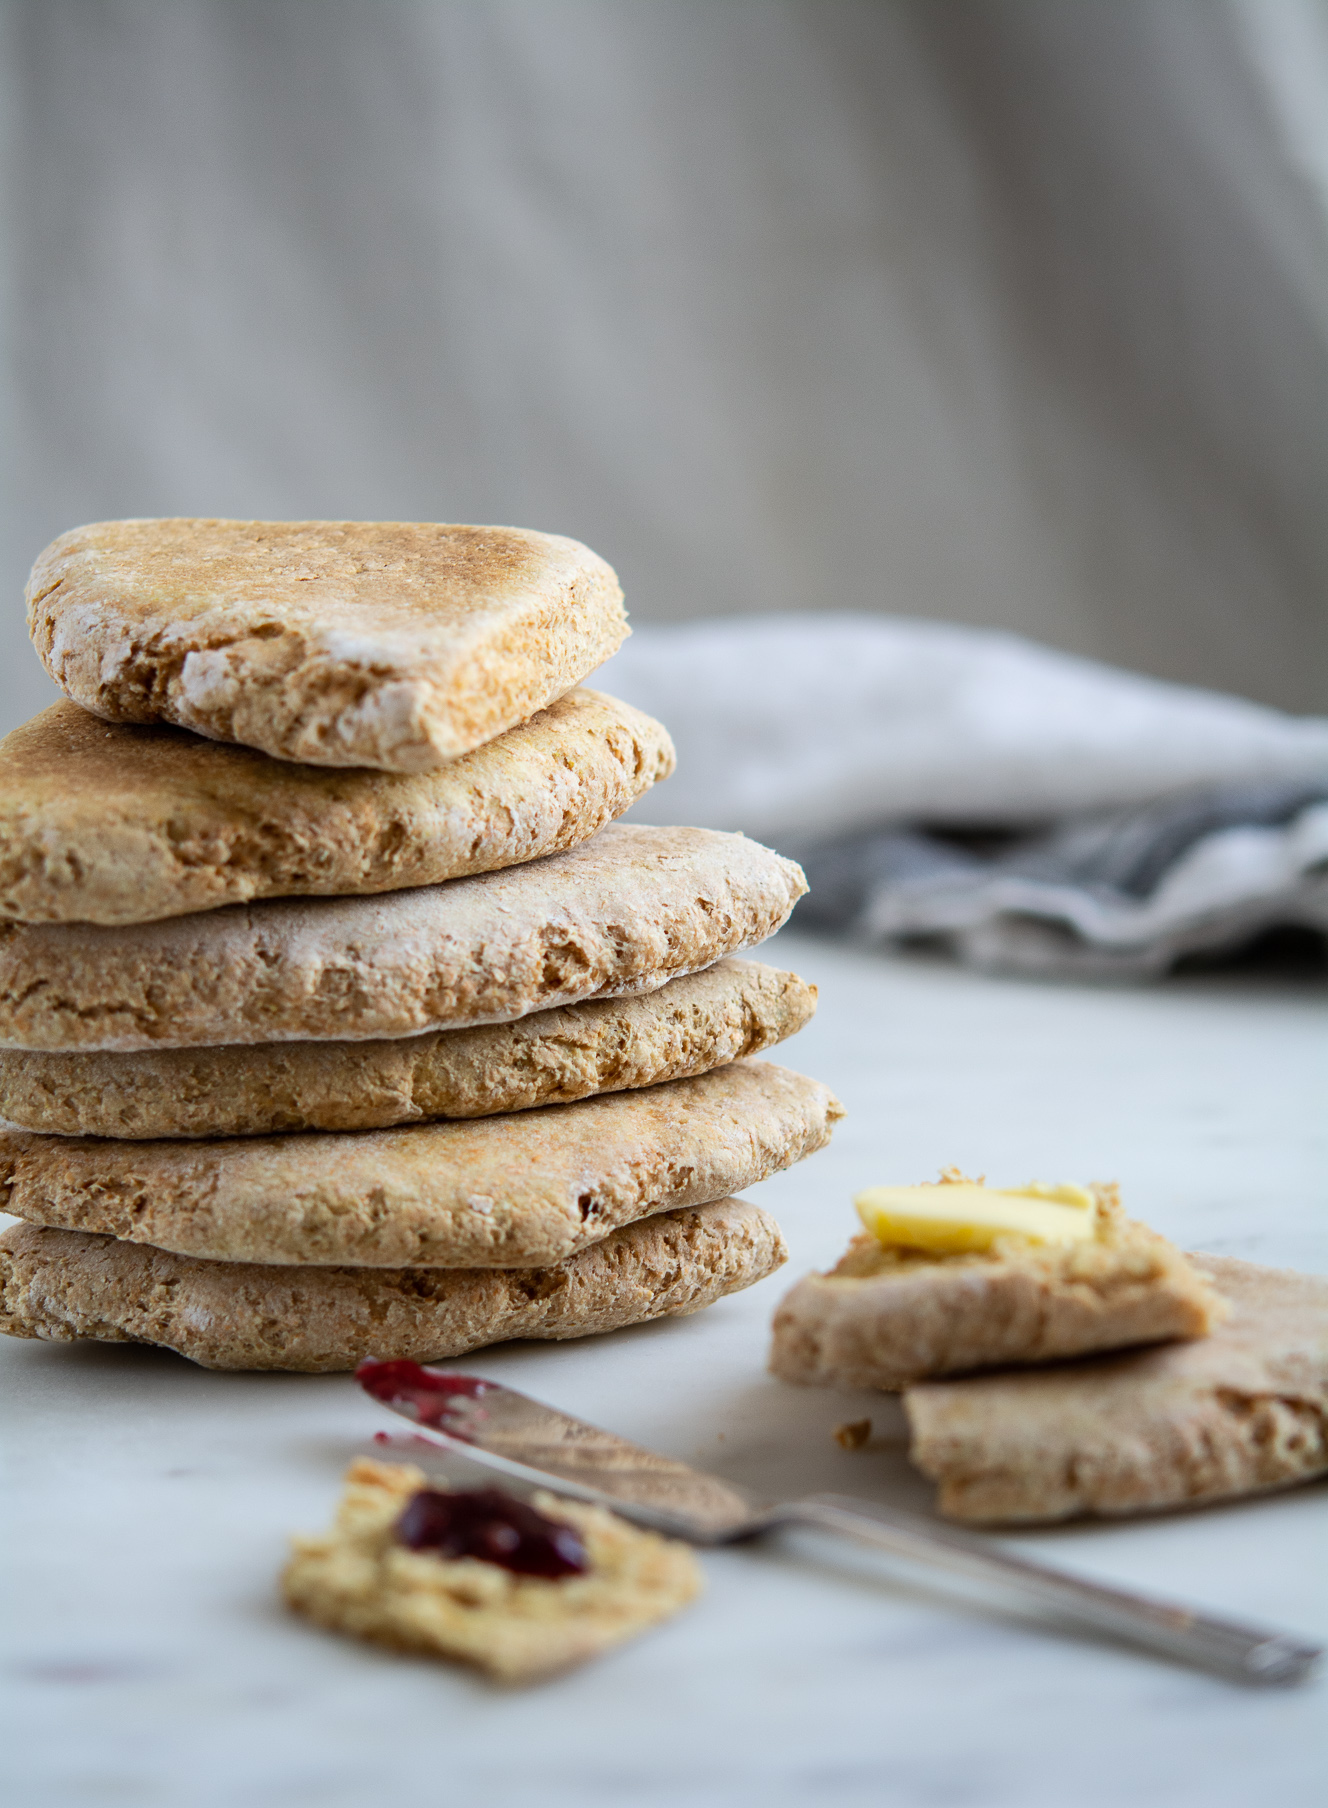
{"type": "Point", "coordinates": [959, 1216]}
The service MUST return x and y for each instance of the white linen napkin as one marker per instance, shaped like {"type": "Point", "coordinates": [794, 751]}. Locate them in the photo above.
{"type": "Point", "coordinates": [1170, 819]}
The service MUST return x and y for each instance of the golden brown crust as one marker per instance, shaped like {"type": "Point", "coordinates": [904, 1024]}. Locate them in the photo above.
{"type": "Point", "coordinates": [703, 1020]}
{"type": "Point", "coordinates": [102, 823]}
{"type": "Point", "coordinates": [392, 644]}
{"type": "Point", "coordinates": [65, 1285]}
{"type": "Point", "coordinates": [885, 1318]}
{"type": "Point", "coordinates": [358, 1579]}
{"type": "Point", "coordinates": [489, 1192]}
{"type": "Point", "coordinates": [1238, 1412]}
{"type": "Point", "coordinates": [622, 913]}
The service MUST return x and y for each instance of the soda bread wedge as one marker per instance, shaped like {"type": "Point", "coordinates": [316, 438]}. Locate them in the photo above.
{"type": "Point", "coordinates": [103, 823]}
{"type": "Point", "coordinates": [487, 1192]}
{"type": "Point", "coordinates": [624, 912]}
{"type": "Point", "coordinates": [359, 1579]}
{"type": "Point", "coordinates": [1238, 1412]}
{"type": "Point", "coordinates": [66, 1285]}
{"type": "Point", "coordinates": [688, 1026]}
{"type": "Point", "coordinates": [885, 1317]}
{"type": "Point", "coordinates": [392, 644]}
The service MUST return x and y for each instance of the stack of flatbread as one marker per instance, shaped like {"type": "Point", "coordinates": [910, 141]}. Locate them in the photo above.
{"type": "Point", "coordinates": [338, 1014]}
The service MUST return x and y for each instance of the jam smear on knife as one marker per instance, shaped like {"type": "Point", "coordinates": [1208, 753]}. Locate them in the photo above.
{"type": "Point", "coordinates": [403, 1383]}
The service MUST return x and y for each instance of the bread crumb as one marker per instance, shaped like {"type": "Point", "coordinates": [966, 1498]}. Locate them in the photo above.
{"type": "Point", "coordinates": [853, 1435]}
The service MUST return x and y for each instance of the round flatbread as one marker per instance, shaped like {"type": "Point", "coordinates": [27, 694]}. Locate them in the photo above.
{"type": "Point", "coordinates": [622, 913]}
{"type": "Point", "coordinates": [394, 644]}
{"type": "Point", "coordinates": [688, 1026]}
{"type": "Point", "coordinates": [486, 1193]}
{"type": "Point", "coordinates": [102, 823]}
{"type": "Point", "coordinates": [63, 1286]}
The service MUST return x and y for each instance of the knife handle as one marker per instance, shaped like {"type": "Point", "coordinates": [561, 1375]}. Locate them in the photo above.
{"type": "Point", "coordinates": [1248, 1654]}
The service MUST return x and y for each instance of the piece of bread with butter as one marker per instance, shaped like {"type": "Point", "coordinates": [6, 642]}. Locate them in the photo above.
{"type": "Point", "coordinates": [959, 1276]}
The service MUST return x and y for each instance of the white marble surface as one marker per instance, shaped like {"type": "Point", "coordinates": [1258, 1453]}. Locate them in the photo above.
{"type": "Point", "coordinates": [149, 1501]}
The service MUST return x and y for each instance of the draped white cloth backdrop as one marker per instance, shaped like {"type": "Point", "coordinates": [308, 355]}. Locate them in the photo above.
{"type": "Point", "coordinates": [799, 729]}
{"type": "Point", "coordinates": [1169, 820]}
{"type": "Point", "coordinates": [1008, 312]}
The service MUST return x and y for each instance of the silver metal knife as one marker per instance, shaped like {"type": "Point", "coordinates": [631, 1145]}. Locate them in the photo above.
{"type": "Point", "coordinates": [496, 1426]}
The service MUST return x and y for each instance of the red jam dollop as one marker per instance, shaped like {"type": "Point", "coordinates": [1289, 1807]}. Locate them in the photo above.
{"type": "Point", "coordinates": [494, 1526]}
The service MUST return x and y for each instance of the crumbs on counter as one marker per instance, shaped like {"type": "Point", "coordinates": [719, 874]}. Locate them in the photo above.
{"type": "Point", "coordinates": [853, 1434]}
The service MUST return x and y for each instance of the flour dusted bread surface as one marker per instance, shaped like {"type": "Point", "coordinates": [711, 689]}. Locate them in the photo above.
{"type": "Point", "coordinates": [103, 823]}
{"type": "Point", "coordinates": [624, 912]}
{"type": "Point", "coordinates": [1238, 1412]}
{"type": "Point", "coordinates": [504, 1191]}
{"type": "Point", "coordinates": [358, 1579]}
{"type": "Point", "coordinates": [692, 1024]}
{"type": "Point", "coordinates": [66, 1285]}
{"type": "Point", "coordinates": [886, 1317]}
{"type": "Point", "coordinates": [391, 644]}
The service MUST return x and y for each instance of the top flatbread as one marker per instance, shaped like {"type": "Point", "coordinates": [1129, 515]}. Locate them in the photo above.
{"type": "Point", "coordinates": [103, 823]}
{"type": "Point", "coordinates": [622, 913]}
{"type": "Point", "coordinates": [393, 644]}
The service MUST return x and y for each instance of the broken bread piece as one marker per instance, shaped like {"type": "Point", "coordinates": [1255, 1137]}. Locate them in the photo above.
{"type": "Point", "coordinates": [1240, 1412]}
{"type": "Point", "coordinates": [384, 1573]}
{"type": "Point", "coordinates": [987, 1278]}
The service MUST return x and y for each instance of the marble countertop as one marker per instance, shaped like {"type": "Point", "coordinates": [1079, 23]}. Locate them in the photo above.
{"type": "Point", "coordinates": [149, 1501]}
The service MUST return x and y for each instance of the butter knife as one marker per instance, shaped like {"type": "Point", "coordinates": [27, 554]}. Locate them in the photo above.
{"type": "Point", "coordinates": [504, 1430]}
